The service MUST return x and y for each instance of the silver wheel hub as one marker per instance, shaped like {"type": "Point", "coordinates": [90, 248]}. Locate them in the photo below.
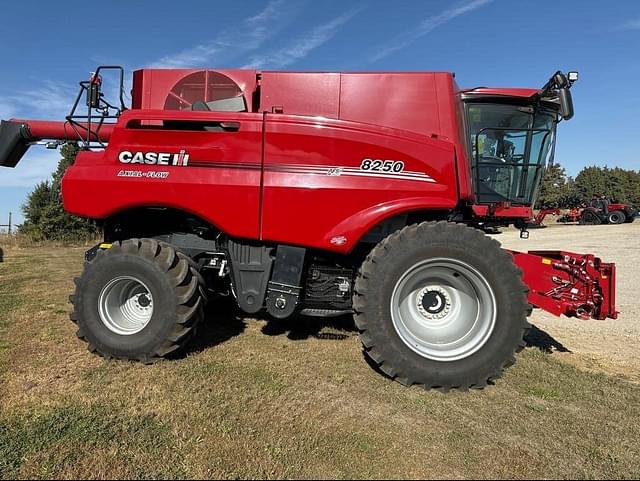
{"type": "Point", "coordinates": [433, 302]}
{"type": "Point", "coordinates": [125, 305]}
{"type": "Point", "coordinates": [443, 309]}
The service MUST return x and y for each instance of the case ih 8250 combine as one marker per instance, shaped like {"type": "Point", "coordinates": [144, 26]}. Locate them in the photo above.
{"type": "Point", "coordinates": [319, 193]}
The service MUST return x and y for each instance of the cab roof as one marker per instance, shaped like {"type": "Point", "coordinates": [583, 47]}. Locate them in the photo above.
{"type": "Point", "coordinates": [507, 92]}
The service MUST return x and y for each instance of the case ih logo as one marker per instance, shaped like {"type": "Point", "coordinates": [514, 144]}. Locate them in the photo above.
{"type": "Point", "coordinates": [154, 158]}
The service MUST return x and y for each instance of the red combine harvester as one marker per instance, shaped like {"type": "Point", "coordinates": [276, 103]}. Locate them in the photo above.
{"type": "Point", "coordinates": [320, 194]}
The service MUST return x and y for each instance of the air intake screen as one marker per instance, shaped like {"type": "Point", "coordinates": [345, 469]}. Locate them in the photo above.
{"type": "Point", "coordinates": [204, 86]}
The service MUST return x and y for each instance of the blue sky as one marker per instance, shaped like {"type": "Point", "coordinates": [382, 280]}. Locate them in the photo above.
{"type": "Point", "coordinates": [47, 47]}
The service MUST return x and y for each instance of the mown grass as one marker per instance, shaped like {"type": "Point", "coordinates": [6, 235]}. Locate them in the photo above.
{"type": "Point", "coordinates": [46, 442]}
{"type": "Point", "coordinates": [255, 398]}
{"type": "Point", "coordinates": [14, 273]}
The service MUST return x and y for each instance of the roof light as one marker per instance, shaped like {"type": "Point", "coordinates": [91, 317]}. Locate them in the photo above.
{"type": "Point", "coordinates": [573, 76]}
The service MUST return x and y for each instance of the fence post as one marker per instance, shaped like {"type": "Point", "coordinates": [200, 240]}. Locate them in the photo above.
{"type": "Point", "coordinates": [9, 223]}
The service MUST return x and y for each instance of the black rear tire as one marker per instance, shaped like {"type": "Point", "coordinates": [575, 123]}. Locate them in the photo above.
{"type": "Point", "coordinates": [616, 217]}
{"type": "Point", "coordinates": [173, 283]}
{"type": "Point", "coordinates": [385, 267]}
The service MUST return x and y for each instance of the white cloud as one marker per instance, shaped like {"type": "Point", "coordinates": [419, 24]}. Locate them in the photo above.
{"type": "Point", "coordinates": [249, 35]}
{"type": "Point", "coordinates": [302, 46]}
{"type": "Point", "coordinates": [50, 101]}
{"type": "Point", "coordinates": [427, 26]}
{"type": "Point", "coordinates": [7, 108]}
{"type": "Point", "coordinates": [631, 25]}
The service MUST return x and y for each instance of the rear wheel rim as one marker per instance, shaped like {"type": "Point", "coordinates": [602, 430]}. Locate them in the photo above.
{"type": "Point", "coordinates": [443, 309]}
{"type": "Point", "coordinates": [125, 305]}
{"type": "Point", "coordinates": [616, 218]}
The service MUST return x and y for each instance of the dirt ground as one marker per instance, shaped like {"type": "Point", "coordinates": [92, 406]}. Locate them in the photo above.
{"type": "Point", "coordinates": [610, 346]}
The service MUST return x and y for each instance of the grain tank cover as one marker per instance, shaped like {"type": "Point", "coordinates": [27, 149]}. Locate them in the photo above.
{"type": "Point", "coordinates": [420, 102]}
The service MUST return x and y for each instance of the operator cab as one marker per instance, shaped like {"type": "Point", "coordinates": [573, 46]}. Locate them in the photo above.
{"type": "Point", "coordinates": [510, 135]}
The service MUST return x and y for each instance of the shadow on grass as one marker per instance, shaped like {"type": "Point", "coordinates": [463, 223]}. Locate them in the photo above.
{"type": "Point", "coordinates": [544, 341]}
{"type": "Point", "coordinates": [222, 322]}
{"type": "Point", "coordinates": [299, 328]}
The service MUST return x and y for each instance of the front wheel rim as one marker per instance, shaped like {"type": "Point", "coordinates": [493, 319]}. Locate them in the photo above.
{"type": "Point", "coordinates": [443, 309]}
{"type": "Point", "coordinates": [125, 305]}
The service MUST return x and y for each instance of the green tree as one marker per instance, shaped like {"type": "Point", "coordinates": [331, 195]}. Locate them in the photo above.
{"type": "Point", "coordinates": [591, 181]}
{"type": "Point", "coordinates": [557, 190]}
{"type": "Point", "coordinates": [618, 184]}
{"type": "Point", "coordinates": [45, 218]}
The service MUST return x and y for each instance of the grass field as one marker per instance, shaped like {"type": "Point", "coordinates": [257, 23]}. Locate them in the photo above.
{"type": "Point", "coordinates": [259, 398]}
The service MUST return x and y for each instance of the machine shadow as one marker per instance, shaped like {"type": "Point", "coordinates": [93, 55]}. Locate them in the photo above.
{"type": "Point", "coordinates": [298, 328]}
{"type": "Point", "coordinates": [222, 322]}
{"type": "Point", "coordinates": [537, 338]}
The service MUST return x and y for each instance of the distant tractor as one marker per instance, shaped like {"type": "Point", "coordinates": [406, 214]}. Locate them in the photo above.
{"type": "Point", "coordinates": [318, 194]}
{"type": "Point", "coordinates": [587, 215]}
{"type": "Point", "coordinates": [616, 214]}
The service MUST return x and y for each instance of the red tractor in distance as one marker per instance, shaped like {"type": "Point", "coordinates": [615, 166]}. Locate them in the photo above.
{"type": "Point", "coordinates": [319, 194]}
{"type": "Point", "coordinates": [616, 213]}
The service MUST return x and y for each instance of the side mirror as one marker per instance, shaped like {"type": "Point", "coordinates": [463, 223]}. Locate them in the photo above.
{"type": "Point", "coordinates": [566, 103]}
{"type": "Point", "coordinates": [560, 80]}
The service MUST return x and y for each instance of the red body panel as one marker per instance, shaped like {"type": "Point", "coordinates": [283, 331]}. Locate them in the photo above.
{"type": "Point", "coordinates": [502, 210]}
{"type": "Point", "coordinates": [316, 195]}
{"type": "Point", "coordinates": [221, 183]}
{"type": "Point", "coordinates": [621, 207]}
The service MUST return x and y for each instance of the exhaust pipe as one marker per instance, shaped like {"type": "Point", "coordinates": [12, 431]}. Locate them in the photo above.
{"type": "Point", "coordinates": [16, 136]}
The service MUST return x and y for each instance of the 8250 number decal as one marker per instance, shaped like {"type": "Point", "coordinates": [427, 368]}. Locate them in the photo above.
{"type": "Point", "coordinates": [377, 165]}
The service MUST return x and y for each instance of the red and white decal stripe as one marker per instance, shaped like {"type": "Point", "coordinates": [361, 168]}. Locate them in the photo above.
{"type": "Point", "coordinates": [351, 172]}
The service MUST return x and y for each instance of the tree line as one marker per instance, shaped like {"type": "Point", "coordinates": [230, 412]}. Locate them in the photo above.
{"type": "Point", "coordinates": [558, 189]}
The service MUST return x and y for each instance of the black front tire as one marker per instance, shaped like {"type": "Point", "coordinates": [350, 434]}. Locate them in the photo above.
{"type": "Point", "coordinates": [175, 287]}
{"type": "Point", "coordinates": [394, 256]}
